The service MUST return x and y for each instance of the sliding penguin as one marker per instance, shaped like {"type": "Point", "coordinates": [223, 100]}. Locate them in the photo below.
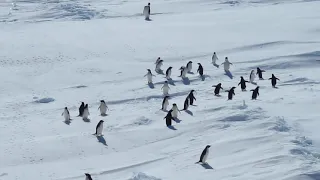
{"type": "Point", "coordinates": [214, 60]}
{"type": "Point", "coordinates": [165, 103]}
{"type": "Point", "coordinates": [226, 64]}
{"type": "Point", "coordinates": [86, 113]}
{"type": "Point", "coordinates": [204, 155]}
{"type": "Point", "coordinates": [149, 76]}
{"type": "Point", "coordinates": [189, 66]}
{"type": "Point", "coordinates": [191, 97]}
{"type": "Point", "coordinates": [175, 110]}
{"type": "Point", "coordinates": [146, 12]}
{"type": "Point", "coordinates": [259, 72]}
{"type": "Point", "coordinates": [169, 118]}
{"type": "Point", "coordinates": [66, 114]}
{"type": "Point", "coordinates": [168, 72]}
{"type": "Point", "coordinates": [231, 93]}
{"type": "Point", "coordinates": [158, 65]}
{"type": "Point", "coordinates": [200, 70]}
{"type": "Point", "coordinates": [183, 72]}
{"type": "Point", "coordinates": [165, 88]}
{"type": "Point", "coordinates": [255, 93]}
{"type": "Point", "coordinates": [88, 176]}
{"type": "Point", "coordinates": [252, 76]}
{"type": "Point", "coordinates": [99, 128]}
{"type": "Point", "coordinates": [103, 108]}
{"type": "Point", "coordinates": [217, 89]}
{"type": "Point", "coordinates": [186, 104]}
{"type": "Point", "coordinates": [81, 108]}
{"type": "Point", "coordinates": [274, 80]}
{"type": "Point", "coordinates": [243, 84]}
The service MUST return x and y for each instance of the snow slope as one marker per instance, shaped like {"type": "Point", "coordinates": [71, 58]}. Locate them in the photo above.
{"type": "Point", "coordinates": [55, 54]}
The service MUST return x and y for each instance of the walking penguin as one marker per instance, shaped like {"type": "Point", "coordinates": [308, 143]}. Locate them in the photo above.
{"type": "Point", "coordinates": [189, 66]}
{"type": "Point", "coordinates": [200, 70]}
{"type": "Point", "coordinates": [214, 59]}
{"type": "Point", "coordinates": [99, 128]}
{"type": "Point", "coordinates": [81, 108]}
{"type": "Point", "coordinates": [165, 103]}
{"type": "Point", "coordinates": [146, 12]}
{"type": "Point", "coordinates": [274, 80]}
{"type": "Point", "coordinates": [231, 93]}
{"type": "Point", "coordinates": [165, 88]}
{"type": "Point", "coordinates": [66, 114]}
{"type": "Point", "coordinates": [204, 155]}
{"type": "Point", "coordinates": [103, 108]}
{"type": "Point", "coordinates": [255, 93]}
{"type": "Point", "coordinates": [217, 89]}
{"type": "Point", "coordinates": [175, 110]}
{"type": "Point", "coordinates": [243, 84]}
{"type": "Point", "coordinates": [191, 97]}
{"type": "Point", "coordinates": [259, 72]}
{"type": "Point", "coordinates": [226, 64]}
{"type": "Point", "coordinates": [169, 118]}
{"type": "Point", "coordinates": [86, 113]}
{"type": "Point", "coordinates": [168, 72]}
{"type": "Point", "coordinates": [149, 76]}
{"type": "Point", "coordinates": [186, 104]}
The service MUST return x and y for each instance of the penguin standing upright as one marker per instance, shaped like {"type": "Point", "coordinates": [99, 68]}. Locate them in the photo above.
{"type": "Point", "coordinates": [169, 118]}
{"type": "Point", "coordinates": [88, 176]}
{"type": "Point", "coordinates": [175, 110]}
{"type": "Point", "coordinates": [165, 88]}
{"type": "Point", "coordinates": [86, 113]}
{"type": "Point", "coordinates": [214, 59]}
{"type": "Point", "coordinates": [189, 66]}
{"type": "Point", "coordinates": [158, 65]}
{"type": "Point", "coordinates": [255, 93]}
{"type": "Point", "coordinates": [217, 89]}
{"type": "Point", "coordinates": [231, 93]}
{"type": "Point", "coordinates": [226, 64]}
{"type": "Point", "coordinates": [149, 76]}
{"type": "Point", "coordinates": [168, 72]}
{"type": "Point", "coordinates": [204, 155]}
{"type": "Point", "coordinates": [103, 108]}
{"type": "Point", "coordinates": [99, 128]}
{"type": "Point", "coordinates": [66, 114]}
{"type": "Point", "coordinates": [146, 12]}
{"type": "Point", "coordinates": [191, 97]}
{"type": "Point", "coordinates": [259, 72]}
{"type": "Point", "coordinates": [274, 80]}
{"type": "Point", "coordinates": [81, 108]}
{"type": "Point", "coordinates": [183, 71]}
{"type": "Point", "coordinates": [186, 104]}
{"type": "Point", "coordinates": [200, 70]}
{"type": "Point", "coordinates": [252, 76]}
{"type": "Point", "coordinates": [165, 103]}
{"type": "Point", "coordinates": [243, 84]}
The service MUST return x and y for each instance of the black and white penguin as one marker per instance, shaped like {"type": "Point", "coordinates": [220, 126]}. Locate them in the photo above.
{"type": "Point", "coordinates": [226, 64]}
{"type": "Point", "coordinates": [168, 72]}
{"type": "Point", "coordinates": [189, 66]}
{"type": "Point", "coordinates": [165, 103]}
{"type": "Point", "coordinates": [183, 71]}
{"type": "Point", "coordinates": [255, 93]}
{"type": "Point", "coordinates": [88, 176]}
{"type": "Point", "coordinates": [252, 76]}
{"type": "Point", "coordinates": [158, 59]}
{"type": "Point", "coordinates": [103, 108]}
{"type": "Point", "coordinates": [86, 113]}
{"type": "Point", "coordinates": [186, 104]}
{"type": "Point", "coordinates": [231, 93]}
{"type": "Point", "coordinates": [149, 76]}
{"type": "Point", "coordinates": [146, 12]}
{"type": "Point", "coordinates": [204, 155]}
{"type": "Point", "coordinates": [243, 84]}
{"type": "Point", "coordinates": [169, 118]}
{"type": "Point", "coordinates": [66, 114]}
{"type": "Point", "coordinates": [165, 88]}
{"type": "Point", "coordinates": [191, 97]}
{"type": "Point", "coordinates": [274, 80]}
{"type": "Point", "coordinates": [158, 65]}
{"type": "Point", "coordinates": [175, 110]}
{"type": "Point", "coordinates": [259, 72]}
{"type": "Point", "coordinates": [217, 89]}
{"type": "Point", "coordinates": [200, 70]}
{"type": "Point", "coordinates": [214, 59]}
{"type": "Point", "coordinates": [81, 108]}
{"type": "Point", "coordinates": [99, 128]}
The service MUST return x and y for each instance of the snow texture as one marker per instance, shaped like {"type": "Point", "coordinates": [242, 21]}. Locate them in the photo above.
{"type": "Point", "coordinates": [58, 53]}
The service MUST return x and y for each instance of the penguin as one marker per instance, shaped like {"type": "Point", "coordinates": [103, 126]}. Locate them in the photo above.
{"type": "Point", "coordinates": [183, 72]}
{"type": "Point", "coordinates": [191, 97]}
{"type": "Point", "coordinates": [88, 176]}
{"type": "Point", "coordinates": [252, 76]}
{"type": "Point", "coordinates": [200, 70]}
{"type": "Point", "coordinates": [189, 66]}
{"type": "Point", "coordinates": [255, 93]}
{"type": "Point", "coordinates": [175, 110]}
{"type": "Point", "coordinates": [149, 76]}
{"type": "Point", "coordinates": [165, 88]}
{"type": "Point", "coordinates": [231, 93]}
{"type": "Point", "coordinates": [103, 108]}
{"type": "Point", "coordinates": [226, 64]}
{"type": "Point", "coordinates": [217, 89]}
{"type": "Point", "coordinates": [186, 104]}
{"type": "Point", "coordinates": [81, 108]}
{"type": "Point", "coordinates": [274, 80]}
{"type": "Point", "coordinates": [146, 12]}
{"type": "Point", "coordinates": [259, 72]}
{"type": "Point", "coordinates": [243, 84]}
{"type": "Point", "coordinates": [204, 155]}
{"type": "Point", "coordinates": [158, 65]}
{"type": "Point", "coordinates": [168, 72]}
{"type": "Point", "coordinates": [169, 118]}
{"type": "Point", "coordinates": [158, 59]}
{"type": "Point", "coordinates": [165, 103]}
{"type": "Point", "coordinates": [86, 113]}
{"type": "Point", "coordinates": [214, 59]}
{"type": "Point", "coordinates": [99, 128]}
{"type": "Point", "coordinates": [66, 114]}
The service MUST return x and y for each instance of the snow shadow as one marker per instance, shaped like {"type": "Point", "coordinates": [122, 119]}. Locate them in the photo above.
{"type": "Point", "coordinates": [103, 115]}
{"type": "Point", "coordinates": [206, 166]}
{"type": "Point", "coordinates": [186, 81]}
{"type": "Point", "coordinates": [189, 112]}
{"type": "Point", "coordinates": [171, 82]}
{"type": "Point", "coordinates": [80, 86]}
{"type": "Point", "coordinates": [177, 120]}
{"type": "Point", "coordinates": [190, 72]}
{"type": "Point", "coordinates": [86, 120]}
{"type": "Point", "coordinates": [203, 78]}
{"type": "Point", "coordinates": [216, 65]}
{"type": "Point", "coordinates": [235, 118]}
{"type": "Point", "coordinates": [67, 122]}
{"type": "Point", "coordinates": [101, 140]}
{"type": "Point", "coordinates": [254, 83]}
{"type": "Point", "coordinates": [309, 176]}
{"type": "Point", "coordinates": [151, 85]}
{"type": "Point", "coordinates": [148, 19]}
{"type": "Point", "coordinates": [44, 100]}
{"type": "Point", "coordinates": [160, 71]}
{"type": "Point", "coordinates": [172, 127]}
{"type": "Point", "coordinates": [229, 74]}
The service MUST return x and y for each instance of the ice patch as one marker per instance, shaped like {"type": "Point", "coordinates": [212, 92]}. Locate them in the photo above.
{"type": "Point", "coordinates": [143, 176]}
{"type": "Point", "coordinates": [142, 121]}
{"type": "Point", "coordinates": [281, 126]}
{"type": "Point", "coordinates": [45, 100]}
{"type": "Point", "coordinates": [302, 141]}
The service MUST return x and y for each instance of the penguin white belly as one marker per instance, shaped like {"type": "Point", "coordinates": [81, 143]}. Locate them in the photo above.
{"type": "Point", "coordinates": [174, 113]}
{"type": "Point", "coordinates": [205, 157]}
{"type": "Point", "coordinates": [103, 109]}
{"type": "Point", "coordinates": [165, 105]}
{"type": "Point", "coordinates": [85, 114]}
{"type": "Point", "coordinates": [189, 67]}
{"type": "Point", "coordinates": [226, 66]}
{"type": "Point", "coordinates": [214, 60]}
{"type": "Point", "coordinates": [99, 130]}
{"type": "Point", "coordinates": [158, 66]}
{"type": "Point", "coordinates": [169, 74]}
{"type": "Point", "coordinates": [165, 90]}
{"type": "Point", "coordinates": [146, 12]}
{"type": "Point", "coordinates": [149, 76]}
{"type": "Point", "coordinates": [184, 72]}
{"type": "Point", "coordinates": [252, 77]}
{"type": "Point", "coordinates": [66, 116]}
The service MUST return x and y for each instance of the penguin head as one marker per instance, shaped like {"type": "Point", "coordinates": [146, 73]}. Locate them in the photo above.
{"type": "Point", "coordinates": [160, 61]}
{"type": "Point", "coordinates": [192, 91]}
{"type": "Point", "coordinates": [257, 87]}
{"type": "Point", "coordinates": [199, 64]}
{"type": "Point", "coordinates": [233, 88]}
{"type": "Point", "coordinates": [170, 67]}
{"type": "Point", "coordinates": [86, 105]}
{"type": "Point", "coordinates": [226, 59]}
{"type": "Point", "coordinates": [189, 62]}
{"type": "Point", "coordinates": [174, 104]}
{"type": "Point", "coordinates": [88, 175]}
{"type": "Point", "coordinates": [181, 68]}
{"type": "Point", "coordinates": [158, 57]}
{"type": "Point", "coordinates": [102, 121]}
{"type": "Point", "coordinates": [214, 53]}
{"type": "Point", "coordinates": [208, 146]}
{"type": "Point", "coordinates": [219, 84]}
{"type": "Point", "coordinates": [167, 97]}
{"type": "Point", "coordinates": [149, 5]}
{"type": "Point", "coordinates": [82, 103]}
{"type": "Point", "coordinates": [241, 77]}
{"type": "Point", "coordinates": [65, 108]}
{"type": "Point", "coordinates": [102, 101]}
{"type": "Point", "coordinates": [166, 82]}
{"type": "Point", "coordinates": [148, 70]}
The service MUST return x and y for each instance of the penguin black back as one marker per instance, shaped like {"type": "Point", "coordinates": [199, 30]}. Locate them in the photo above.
{"type": "Point", "coordinates": [191, 97]}
{"type": "Point", "coordinates": [81, 109]}
{"type": "Point", "coordinates": [169, 118]}
{"type": "Point", "coordinates": [243, 84]}
{"type": "Point", "coordinates": [200, 69]}
{"type": "Point", "coordinates": [231, 93]}
{"type": "Point", "coordinates": [217, 89]}
{"type": "Point", "coordinates": [88, 176]}
{"type": "Point", "coordinates": [255, 93]}
{"type": "Point", "coordinates": [204, 152]}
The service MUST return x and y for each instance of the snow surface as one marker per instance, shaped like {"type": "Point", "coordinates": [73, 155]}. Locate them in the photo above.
{"type": "Point", "coordinates": [60, 53]}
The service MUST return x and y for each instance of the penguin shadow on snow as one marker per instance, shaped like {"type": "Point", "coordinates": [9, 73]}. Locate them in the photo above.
{"type": "Point", "coordinates": [151, 85]}
{"type": "Point", "coordinates": [189, 112]}
{"type": "Point", "coordinates": [87, 120]}
{"type": "Point", "coordinates": [206, 166]}
{"type": "Point", "coordinates": [159, 71]}
{"type": "Point", "coordinates": [177, 120]}
{"type": "Point", "coordinates": [172, 128]}
{"type": "Point", "coordinates": [101, 140]}
{"type": "Point", "coordinates": [171, 82]}
{"type": "Point", "coordinates": [254, 83]}
{"type": "Point", "coordinates": [229, 74]}
{"type": "Point", "coordinates": [67, 122]}
{"type": "Point", "coordinates": [186, 81]}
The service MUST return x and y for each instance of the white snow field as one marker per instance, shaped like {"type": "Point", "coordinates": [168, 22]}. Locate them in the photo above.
{"type": "Point", "coordinates": [55, 54]}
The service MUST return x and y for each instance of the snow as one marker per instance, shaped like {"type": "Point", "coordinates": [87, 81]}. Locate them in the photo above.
{"type": "Point", "coordinates": [60, 53]}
